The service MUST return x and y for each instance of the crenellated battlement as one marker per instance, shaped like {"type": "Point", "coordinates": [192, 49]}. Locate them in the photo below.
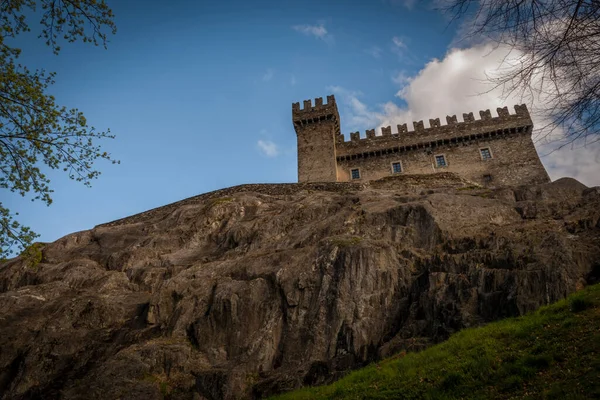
{"type": "Point", "coordinates": [469, 128]}
{"type": "Point", "coordinates": [469, 121]}
{"type": "Point", "coordinates": [308, 107]}
{"type": "Point", "coordinates": [310, 115]}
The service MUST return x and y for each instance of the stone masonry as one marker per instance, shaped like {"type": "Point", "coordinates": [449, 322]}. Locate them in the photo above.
{"type": "Point", "coordinates": [490, 151]}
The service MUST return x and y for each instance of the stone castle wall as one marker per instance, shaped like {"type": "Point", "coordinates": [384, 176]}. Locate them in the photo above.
{"type": "Point", "coordinates": [507, 137]}
{"type": "Point", "coordinates": [316, 128]}
{"type": "Point", "coordinates": [514, 162]}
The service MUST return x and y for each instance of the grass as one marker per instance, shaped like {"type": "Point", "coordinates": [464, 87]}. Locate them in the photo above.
{"type": "Point", "coordinates": [553, 353]}
{"type": "Point", "coordinates": [345, 241]}
{"type": "Point", "coordinates": [161, 381]}
{"type": "Point", "coordinates": [220, 200]}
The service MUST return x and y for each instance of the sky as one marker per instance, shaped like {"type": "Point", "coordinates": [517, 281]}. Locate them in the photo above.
{"type": "Point", "coordinates": [199, 94]}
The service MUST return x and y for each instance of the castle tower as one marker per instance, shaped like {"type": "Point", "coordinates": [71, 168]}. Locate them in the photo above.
{"type": "Point", "coordinates": [317, 129]}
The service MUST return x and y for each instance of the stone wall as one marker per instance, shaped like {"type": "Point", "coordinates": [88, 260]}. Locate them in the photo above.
{"type": "Point", "coordinates": [323, 157]}
{"type": "Point", "coordinates": [515, 162]}
{"type": "Point", "coordinates": [316, 128]}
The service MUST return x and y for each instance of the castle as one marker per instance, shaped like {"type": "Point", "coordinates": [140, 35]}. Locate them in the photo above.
{"type": "Point", "coordinates": [490, 151]}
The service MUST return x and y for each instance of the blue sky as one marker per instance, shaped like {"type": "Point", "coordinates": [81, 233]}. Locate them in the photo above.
{"type": "Point", "coordinates": [199, 94]}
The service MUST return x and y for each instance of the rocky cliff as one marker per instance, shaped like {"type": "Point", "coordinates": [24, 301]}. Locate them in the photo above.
{"type": "Point", "coordinates": [256, 289]}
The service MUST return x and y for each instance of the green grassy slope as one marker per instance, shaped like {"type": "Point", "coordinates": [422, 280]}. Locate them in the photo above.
{"type": "Point", "coordinates": [553, 353]}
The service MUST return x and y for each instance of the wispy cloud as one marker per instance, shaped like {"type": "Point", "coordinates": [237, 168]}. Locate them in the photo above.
{"type": "Point", "coordinates": [268, 148]}
{"type": "Point", "coordinates": [401, 79]}
{"type": "Point", "coordinates": [357, 114]}
{"type": "Point", "coordinates": [318, 31]}
{"type": "Point", "coordinates": [268, 75]}
{"type": "Point", "coordinates": [400, 47]}
{"type": "Point", "coordinates": [293, 80]}
{"type": "Point", "coordinates": [374, 51]}
{"type": "Point", "coordinates": [410, 4]}
{"type": "Point", "coordinates": [399, 43]}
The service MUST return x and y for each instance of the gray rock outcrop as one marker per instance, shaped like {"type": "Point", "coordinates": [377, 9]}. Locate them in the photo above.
{"type": "Point", "coordinates": [257, 289]}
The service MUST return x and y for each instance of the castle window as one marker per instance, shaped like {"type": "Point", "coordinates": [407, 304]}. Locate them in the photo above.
{"type": "Point", "coordinates": [440, 161]}
{"type": "Point", "coordinates": [355, 173]}
{"type": "Point", "coordinates": [486, 153]}
{"type": "Point", "coordinates": [396, 167]}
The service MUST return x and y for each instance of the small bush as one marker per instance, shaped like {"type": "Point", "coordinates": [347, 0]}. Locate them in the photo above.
{"type": "Point", "coordinates": [33, 255]}
{"type": "Point", "coordinates": [511, 383]}
{"type": "Point", "coordinates": [538, 362]}
{"type": "Point", "coordinates": [346, 241]}
{"type": "Point", "coordinates": [164, 389]}
{"type": "Point", "coordinates": [452, 380]}
{"type": "Point", "coordinates": [220, 200]}
{"type": "Point", "coordinates": [578, 304]}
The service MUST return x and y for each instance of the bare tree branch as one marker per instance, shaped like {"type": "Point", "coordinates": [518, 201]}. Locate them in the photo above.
{"type": "Point", "coordinates": [559, 46]}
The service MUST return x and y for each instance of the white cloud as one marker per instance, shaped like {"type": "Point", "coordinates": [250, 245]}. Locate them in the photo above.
{"type": "Point", "coordinates": [293, 80]}
{"type": "Point", "coordinates": [458, 84]}
{"type": "Point", "coordinates": [268, 75]}
{"type": "Point", "coordinates": [318, 31]}
{"type": "Point", "coordinates": [268, 148]}
{"type": "Point", "coordinates": [581, 163]}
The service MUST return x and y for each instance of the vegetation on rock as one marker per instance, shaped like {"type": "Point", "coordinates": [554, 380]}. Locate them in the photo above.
{"type": "Point", "coordinates": [552, 353]}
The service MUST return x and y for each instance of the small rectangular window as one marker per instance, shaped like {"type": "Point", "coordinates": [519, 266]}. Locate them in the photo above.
{"type": "Point", "coordinates": [486, 154]}
{"type": "Point", "coordinates": [396, 167]}
{"type": "Point", "coordinates": [440, 161]}
{"type": "Point", "coordinates": [355, 173]}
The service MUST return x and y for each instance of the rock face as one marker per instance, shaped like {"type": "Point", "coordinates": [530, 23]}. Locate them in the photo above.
{"type": "Point", "coordinates": [256, 289]}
